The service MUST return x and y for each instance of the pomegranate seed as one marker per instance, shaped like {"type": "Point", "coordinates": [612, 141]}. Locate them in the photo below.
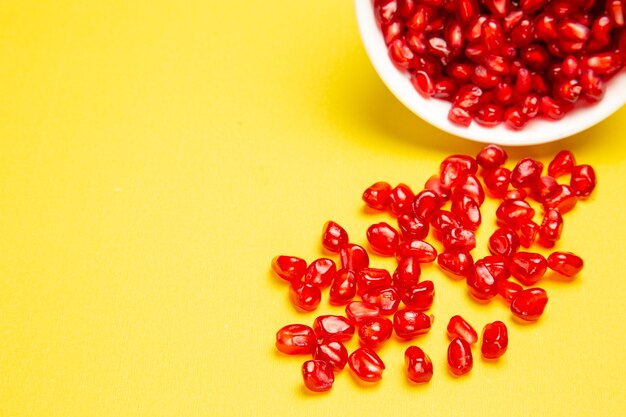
{"type": "Point", "coordinates": [546, 28]}
{"type": "Point", "coordinates": [422, 252]}
{"type": "Point", "coordinates": [489, 115]}
{"type": "Point", "coordinates": [571, 67]}
{"type": "Point", "coordinates": [526, 173]}
{"type": "Point", "coordinates": [334, 237]}
{"type": "Point", "coordinates": [534, 57]}
{"type": "Point", "coordinates": [359, 311]}
{"type": "Point", "coordinates": [385, 298]}
{"type": "Point", "coordinates": [515, 118]}
{"type": "Point", "coordinates": [400, 53]}
{"type": "Point", "coordinates": [343, 288]}
{"type": "Point", "coordinates": [562, 164]}
{"type": "Point", "coordinates": [565, 263]}
{"type": "Point", "coordinates": [445, 88]}
{"type": "Point", "coordinates": [569, 90]}
{"type": "Point", "coordinates": [459, 116]}
{"type": "Point", "coordinates": [412, 228]}
{"type": "Point", "coordinates": [509, 290]}
{"type": "Point", "coordinates": [574, 31]}
{"type": "Point", "coordinates": [563, 200]}
{"type": "Point", "coordinates": [497, 181]}
{"type": "Point", "coordinates": [583, 180]}
{"type": "Point", "coordinates": [296, 339]}
{"type": "Point", "coordinates": [366, 364]}
{"type": "Point", "coordinates": [592, 86]}
{"type": "Point", "coordinates": [400, 199]}
{"type": "Point", "coordinates": [467, 210]}
{"type": "Point", "coordinates": [512, 19]}
{"type": "Point", "coordinates": [529, 6]}
{"type": "Point", "coordinates": [457, 262]}
{"type": "Point", "coordinates": [376, 195]}
{"type": "Point", "coordinates": [482, 282]}
{"type": "Point", "coordinates": [458, 327]}
{"type": "Point", "coordinates": [353, 257]}
{"type": "Point", "coordinates": [460, 359]}
{"type": "Point", "coordinates": [468, 97]}
{"type": "Point", "coordinates": [459, 238]}
{"type": "Point", "coordinates": [423, 83]}
{"type": "Point", "coordinates": [504, 242]}
{"type": "Point", "coordinates": [551, 228]}
{"type": "Point", "coordinates": [606, 63]}
{"type": "Point", "coordinates": [425, 204]}
{"type": "Point", "coordinates": [443, 219]}
{"type": "Point", "coordinates": [418, 365]}
{"type": "Point", "coordinates": [450, 173]}
{"type": "Point", "coordinates": [368, 278]}
{"type": "Point", "coordinates": [392, 31]}
{"type": "Point", "coordinates": [318, 375]}
{"type": "Point", "coordinates": [320, 272]}
{"type": "Point", "coordinates": [498, 266]}
{"type": "Point", "coordinates": [468, 164]}
{"type": "Point", "coordinates": [528, 233]}
{"type": "Point", "coordinates": [527, 267]}
{"type": "Point", "coordinates": [495, 340]}
{"type": "Point", "coordinates": [407, 274]}
{"type": "Point", "coordinates": [374, 331]}
{"type": "Point", "coordinates": [513, 213]}
{"type": "Point", "coordinates": [503, 94]}
{"type": "Point", "coordinates": [553, 109]}
{"type": "Point", "coordinates": [333, 353]}
{"type": "Point", "coordinates": [420, 296]}
{"type": "Point", "coordinates": [544, 188]}
{"type": "Point", "coordinates": [331, 327]}
{"type": "Point", "coordinates": [529, 304]}
{"type": "Point", "coordinates": [471, 187]}
{"type": "Point", "coordinates": [385, 10]}
{"type": "Point", "coordinates": [523, 34]}
{"type": "Point", "coordinates": [305, 297]}
{"type": "Point", "coordinates": [484, 78]}
{"type": "Point", "coordinates": [466, 10]}
{"type": "Point", "coordinates": [516, 194]}
{"type": "Point", "coordinates": [434, 184]}
{"type": "Point", "coordinates": [383, 238]}
{"type": "Point", "coordinates": [454, 35]}
{"type": "Point", "coordinates": [460, 72]}
{"type": "Point", "coordinates": [289, 268]}
{"type": "Point", "coordinates": [615, 8]}
{"type": "Point", "coordinates": [409, 323]}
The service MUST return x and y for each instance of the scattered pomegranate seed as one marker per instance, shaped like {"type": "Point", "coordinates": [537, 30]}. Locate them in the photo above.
{"type": "Point", "coordinates": [482, 282]}
{"type": "Point", "coordinates": [544, 188]}
{"type": "Point", "coordinates": [412, 228]}
{"type": "Point", "coordinates": [318, 375]}
{"type": "Point", "coordinates": [320, 272]}
{"type": "Point", "coordinates": [583, 180]}
{"type": "Point", "coordinates": [374, 331]}
{"type": "Point", "coordinates": [376, 196]}
{"type": "Point", "coordinates": [495, 340]}
{"type": "Point", "coordinates": [509, 290]}
{"type": "Point", "coordinates": [562, 164]}
{"type": "Point", "coordinates": [386, 298]}
{"type": "Point", "coordinates": [305, 297]}
{"type": "Point", "coordinates": [419, 367]}
{"type": "Point", "coordinates": [332, 327]}
{"type": "Point", "coordinates": [366, 364]}
{"type": "Point", "coordinates": [334, 237]}
{"type": "Point", "coordinates": [289, 268]}
{"type": "Point", "coordinates": [419, 297]}
{"type": "Point", "coordinates": [421, 251]}
{"type": "Point", "coordinates": [529, 304]}
{"type": "Point", "coordinates": [425, 204]}
{"type": "Point", "coordinates": [551, 228]}
{"type": "Point", "coordinates": [343, 288]}
{"type": "Point", "coordinates": [456, 261]}
{"type": "Point", "coordinates": [383, 238]}
{"type": "Point", "coordinates": [459, 238]}
{"type": "Point", "coordinates": [460, 360]}
{"type": "Point", "coordinates": [528, 233]}
{"type": "Point", "coordinates": [527, 267]}
{"type": "Point", "coordinates": [296, 339]}
{"type": "Point", "coordinates": [565, 263]}
{"type": "Point", "coordinates": [409, 323]}
{"type": "Point", "coordinates": [467, 210]}
{"type": "Point", "coordinates": [359, 311]}
{"type": "Point", "coordinates": [563, 200]}
{"type": "Point", "coordinates": [353, 257]}
{"type": "Point", "coordinates": [408, 272]}
{"type": "Point", "coordinates": [526, 173]}
{"type": "Point", "coordinates": [504, 242]}
{"type": "Point", "coordinates": [471, 187]}
{"type": "Point", "coordinates": [459, 327]}
{"type": "Point", "coordinates": [400, 199]}
{"type": "Point", "coordinates": [513, 213]}
{"type": "Point", "coordinates": [333, 353]}
{"type": "Point", "coordinates": [497, 182]}
{"type": "Point", "coordinates": [368, 278]}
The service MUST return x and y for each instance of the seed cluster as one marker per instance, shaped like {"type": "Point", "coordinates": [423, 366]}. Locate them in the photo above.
{"type": "Point", "coordinates": [457, 187]}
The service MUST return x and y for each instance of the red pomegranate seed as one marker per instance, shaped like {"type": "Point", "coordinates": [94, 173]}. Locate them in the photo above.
{"type": "Point", "coordinates": [489, 115]}
{"type": "Point", "coordinates": [571, 67]}
{"type": "Point", "coordinates": [484, 78]}
{"type": "Point", "coordinates": [468, 164]}
{"type": "Point", "coordinates": [509, 290]}
{"type": "Point", "coordinates": [565, 263]}
{"type": "Point", "coordinates": [469, 96]}
{"type": "Point", "coordinates": [385, 10]}
{"type": "Point", "coordinates": [458, 327]}
{"type": "Point", "coordinates": [546, 28]}
{"type": "Point", "coordinates": [296, 339]}
{"type": "Point", "coordinates": [383, 238]}
{"type": "Point", "coordinates": [368, 278]}
{"type": "Point", "coordinates": [331, 327]}
{"type": "Point", "coordinates": [456, 262]}
{"type": "Point", "coordinates": [400, 199]}
{"type": "Point", "coordinates": [569, 90]}
{"type": "Point", "coordinates": [460, 360]}
{"type": "Point", "coordinates": [450, 173]}
{"type": "Point", "coordinates": [343, 288]}
{"type": "Point", "coordinates": [333, 353]}
{"type": "Point", "coordinates": [574, 31]}
{"type": "Point", "coordinates": [385, 298]}
{"type": "Point", "coordinates": [407, 274]}
{"type": "Point", "coordinates": [563, 200]}
{"type": "Point", "coordinates": [305, 297]}
{"type": "Point", "coordinates": [392, 31]}
{"type": "Point", "coordinates": [467, 210]}
{"type": "Point", "coordinates": [459, 238]}
{"type": "Point", "coordinates": [495, 340]}
{"type": "Point", "coordinates": [359, 311]}
{"type": "Point", "coordinates": [459, 116]}
{"type": "Point", "coordinates": [318, 375]}
{"type": "Point", "coordinates": [423, 83]}
{"type": "Point", "coordinates": [376, 195]}
{"type": "Point", "coordinates": [498, 266]}
{"type": "Point", "coordinates": [418, 365]}
{"type": "Point", "coordinates": [583, 180]}
{"type": "Point", "coordinates": [529, 304]}
{"type": "Point", "coordinates": [491, 157]}
{"type": "Point", "coordinates": [592, 86]}
{"type": "Point", "coordinates": [460, 72]}
{"type": "Point", "coordinates": [374, 331]}
{"type": "Point", "coordinates": [503, 94]}
{"type": "Point", "coordinates": [562, 164]}
{"type": "Point", "coordinates": [515, 194]}
{"type": "Point", "coordinates": [515, 118]}
{"type": "Point", "coordinates": [334, 237]}
{"type": "Point", "coordinates": [526, 173]}
{"type": "Point", "coordinates": [482, 282]}
{"type": "Point", "coordinates": [606, 63]}
{"type": "Point", "coordinates": [527, 267]}
{"type": "Point", "coordinates": [366, 364]}
{"type": "Point", "coordinates": [504, 242]}
{"type": "Point", "coordinates": [353, 257]}
{"type": "Point", "coordinates": [497, 181]}
{"type": "Point", "coordinates": [445, 88]}
{"type": "Point", "coordinates": [400, 53]}
{"type": "Point", "coordinates": [511, 20]}
{"type": "Point", "coordinates": [420, 296]}
{"type": "Point", "coordinates": [409, 323]}
{"type": "Point", "coordinates": [528, 233]}
{"type": "Point", "coordinates": [544, 188]}
{"type": "Point", "coordinates": [289, 268]}
{"type": "Point", "coordinates": [513, 213]}
{"type": "Point", "coordinates": [425, 204]}
{"type": "Point", "coordinates": [615, 8]}
{"type": "Point", "coordinates": [551, 228]}
{"type": "Point", "coordinates": [442, 220]}
{"type": "Point", "coordinates": [320, 272]}
{"type": "Point", "coordinates": [553, 109]}
{"type": "Point", "coordinates": [412, 228]}
{"type": "Point", "coordinates": [421, 251]}
{"type": "Point", "coordinates": [454, 35]}
{"type": "Point", "coordinates": [434, 184]}
{"type": "Point", "coordinates": [470, 186]}
{"type": "Point", "coordinates": [466, 10]}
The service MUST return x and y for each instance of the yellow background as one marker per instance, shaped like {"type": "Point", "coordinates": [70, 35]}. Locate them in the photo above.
{"type": "Point", "coordinates": [157, 155]}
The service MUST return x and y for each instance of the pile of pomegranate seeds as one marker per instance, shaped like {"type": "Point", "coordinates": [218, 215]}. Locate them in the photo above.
{"type": "Point", "coordinates": [506, 60]}
{"type": "Point", "coordinates": [449, 209]}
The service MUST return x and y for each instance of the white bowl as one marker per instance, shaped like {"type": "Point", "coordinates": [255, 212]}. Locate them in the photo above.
{"type": "Point", "coordinates": [435, 111]}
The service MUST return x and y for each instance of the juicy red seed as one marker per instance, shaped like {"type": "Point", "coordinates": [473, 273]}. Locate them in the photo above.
{"type": "Point", "coordinates": [385, 298]}
{"type": "Point", "coordinates": [434, 184]}
{"type": "Point", "coordinates": [526, 173]}
{"type": "Point", "coordinates": [515, 118]}
{"type": "Point", "coordinates": [574, 31]}
{"type": "Point", "coordinates": [425, 204]}
{"type": "Point", "coordinates": [392, 31]}
{"type": "Point", "coordinates": [553, 109]}
{"type": "Point", "coordinates": [353, 257]}
{"type": "Point", "coordinates": [366, 364]}
{"type": "Point", "coordinates": [450, 173]}
{"type": "Point", "coordinates": [468, 164]}
{"type": "Point", "coordinates": [459, 116]}
{"type": "Point", "coordinates": [411, 227]}
{"type": "Point", "coordinates": [509, 290]}
{"type": "Point", "coordinates": [583, 180]}
{"type": "Point", "coordinates": [489, 115]}
{"type": "Point", "coordinates": [420, 296]}
{"type": "Point", "coordinates": [419, 367]}
{"type": "Point", "coordinates": [606, 63]}
{"type": "Point", "coordinates": [528, 233]}
{"type": "Point", "coordinates": [529, 304]}
{"type": "Point", "coordinates": [376, 195]}
{"type": "Point", "coordinates": [333, 353]}
{"type": "Point", "coordinates": [400, 53]}
{"type": "Point", "coordinates": [546, 28]}
{"type": "Point", "coordinates": [544, 188]}
{"type": "Point", "coordinates": [443, 219]}
{"type": "Point", "coordinates": [374, 331]}
{"type": "Point", "coordinates": [400, 199]}
{"type": "Point", "coordinates": [563, 200]}
{"type": "Point", "coordinates": [498, 266]}
{"type": "Point", "coordinates": [497, 181]}
{"type": "Point", "coordinates": [318, 375]}
{"type": "Point", "coordinates": [592, 85]}
{"type": "Point", "coordinates": [470, 186]}
{"type": "Point", "coordinates": [383, 238]}
{"type": "Point", "coordinates": [495, 340]}
{"type": "Point", "coordinates": [460, 360]}
{"type": "Point", "coordinates": [409, 323]}
{"type": "Point", "coordinates": [359, 311]}
{"type": "Point", "coordinates": [368, 278]}
{"type": "Point", "coordinates": [459, 327]}
{"type": "Point", "coordinates": [527, 267]}
{"type": "Point", "coordinates": [491, 156]}
{"type": "Point", "coordinates": [515, 194]}
{"type": "Point", "coordinates": [457, 262]}
{"type": "Point", "coordinates": [320, 272]}
{"type": "Point", "coordinates": [305, 297]}
{"type": "Point", "coordinates": [296, 339]}
{"type": "Point", "coordinates": [408, 272]}
{"type": "Point", "coordinates": [467, 210]}
{"type": "Point", "coordinates": [562, 164]}
{"type": "Point", "coordinates": [482, 282]}
{"type": "Point", "coordinates": [565, 263]}
{"type": "Point", "coordinates": [504, 242]}
{"type": "Point", "coordinates": [459, 238]}
{"type": "Point", "coordinates": [331, 327]}
{"type": "Point", "coordinates": [343, 288]}
{"type": "Point", "coordinates": [289, 268]}
{"type": "Point", "coordinates": [421, 251]}
{"type": "Point", "coordinates": [513, 213]}
{"type": "Point", "coordinates": [385, 10]}
{"type": "Point", "coordinates": [503, 94]}
{"type": "Point", "coordinates": [423, 83]}
{"type": "Point", "coordinates": [531, 105]}
{"type": "Point", "coordinates": [551, 227]}
{"type": "Point", "coordinates": [334, 236]}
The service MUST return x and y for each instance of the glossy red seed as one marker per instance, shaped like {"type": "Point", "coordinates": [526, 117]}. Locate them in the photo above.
{"type": "Point", "coordinates": [565, 263]}
{"type": "Point", "coordinates": [334, 236]}
{"type": "Point", "coordinates": [498, 266]}
{"type": "Point", "coordinates": [385, 10]}
{"type": "Point", "coordinates": [320, 272]}
{"type": "Point", "coordinates": [376, 195]}
{"type": "Point", "coordinates": [289, 268]}
{"type": "Point", "coordinates": [528, 233]}
{"type": "Point", "coordinates": [318, 375]}
{"type": "Point", "coordinates": [434, 184]}
{"type": "Point", "coordinates": [409, 323]}
{"type": "Point", "coordinates": [423, 83]}
{"type": "Point", "coordinates": [583, 180]}
{"type": "Point", "coordinates": [515, 118]}
{"type": "Point", "coordinates": [459, 327]}
{"type": "Point", "coordinates": [615, 8]}
{"type": "Point", "coordinates": [562, 164]}
{"type": "Point", "coordinates": [531, 105]}
{"type": "Point", "coordinates": [419, 367]}
{"type": "Point", "coordinates": [509, 290]}
{"type": "Point", "coordinates": [393, 30]}
{"type": "Point", "coordinates": [407, 274]}
{"type": "Point", "coordinates": [456, 262]}
{"type": "Point", "coordinates": [366, 364]}
{"type": "Point", "coordinates": [375, 331]}
{"type": "Point", "coordinates": [467, 210]}
{"type": "Point", "coordinates": [544, 188]}
{"type": "Point", "coordinates": [442, 220]}
{"type": "Point", "coordinates": [459, 238]}
{"type": "Point", "coordinates": [359, 311]}
{"type": "Point", "coordinates": [459, 116]}
{"type": "Point", "coordinates": [425, 204]}
{"type": "Point", "coordinates": [343, 288]}
{"type": "Point", "coordinates": [554, 109]}
{"type": "Point", "coordinates": [529, 304]}
{"type": "Point", "coordinates": [551, 228]}
{"type": "Point", "coordinates": [527, 267]}
{"type": "Point", "coordinates": [513, 213]}
{"type": "Point", "coordinates": [495, 340]}
{"type": "Point", "coordinates": [515, 194]}
{"type": "Point", "coordinates": [385, 298]}
{"type": "Point", "coordinates": [368, 278]}
{"type": "Point", "coordinates": [491, 157]}
{"type": "Point", "coordinates": [482, 282]}
{"type": "Point", "coordinates": [504, 241]}
{"type": "Point", "coordinates": [593, 87]}
{"type": "Point", "coordinates": [383, 238]}
{"type": "Point", "coordinates": [470, 186]}
{"type": "Point", "coordinates": [460, 360]}
{"type": "Point", "coordinates": [526, 173]}
{"type": "Point", "coordinates": [353, 257]}
{"type": "Point", "coordinates": [331, 327]}
{"type": "Point", "coordinates": [400, 199]}
{"type": "Point", "coordinates": [546, 28]}
{"type": "Point", "coordinates": [333, 353]}
{"type": "Point", "coordinates": [296, 339]}
{"type": "Point", "coordinates": [401, 55]}
{"type": "Point", "coordinates": [563, 200]}
{"type": "Point", "coordinates": [605, 63]}
{"type": "Point", "coordinates": [412, 228]}
{"type": "Point", "coordinates": [450, 173]}
{"type": "Point", "coordinates": [420, 296]}
{"type": "Point", "coordinates": [503, 94]}
{"type": "Point", "coordinates": [421, 251]}
{"type": "Point", "coordinates": [497, 181]}
{"type": "Point", "coordinates": [305, 297]}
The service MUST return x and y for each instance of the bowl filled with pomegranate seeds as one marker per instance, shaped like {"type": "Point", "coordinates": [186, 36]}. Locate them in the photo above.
{"type": "Point", "coordinates": [500, 71]}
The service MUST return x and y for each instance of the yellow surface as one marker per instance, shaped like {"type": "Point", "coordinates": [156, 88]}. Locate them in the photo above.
{"type": "Point", "coordinates": [157, 155]}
